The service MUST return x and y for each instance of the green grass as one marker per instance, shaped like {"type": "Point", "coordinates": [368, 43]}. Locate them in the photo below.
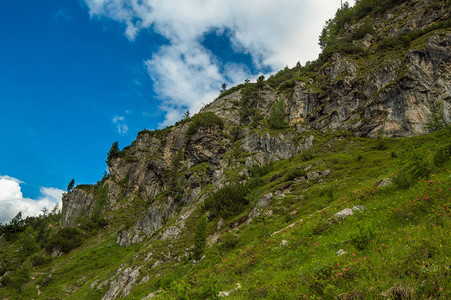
{"type": "Point", "coordinates": [397, 245]}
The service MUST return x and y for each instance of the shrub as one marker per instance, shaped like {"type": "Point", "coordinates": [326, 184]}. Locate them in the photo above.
{"type": "Point", "coordinates": [227, 201]}
{"type": "Point", "coordinates": [40, 260]}
{"type": "Point", "coordinates": [417, 166]}
{"type": "Point", "coordinates": [437, 119]}
{"type": "Point", "coordinates": [277, 118]}
{"type": "Point", "coordinates": [328, 191]}
{"type": "Point", "coordinates": [66, 238]}
{"type": "Point", "coordinates": [380, 144]}
{"type": "Point", "coordinates": [3, 269]}
{"type": "Point", "coordinates": [345, 48]}
{"type": "Point", "coordinates": [228, 241]}
{"type": "Point", "coordinates": [16, 280]}
{"type": "Point", "coordinates": [361, 31]}
{"type": "Point", "coordinates": [204, 120]}
{"type": "Point", "coordinates": [200, 237]}
{"type": "Point", "coordinates": [441, 156]}
{"type": "Point", "coordinates": [250, 98]}
{"type": "Point", "coordinates": [207, 287]}
{"type": "Point", "coordinates": [101, 200]}
{"type": "Point", "coordinates": [46, 279]}
{"type": "Point", "coordinates": [362, 237]}
{"type": "Point", "coordinates": [293, 174]}
{"type": "Point", "coordinates": [259, 171]}
{"type": "Point", "coordinates": [306, 156]}
{"type": "Point", "coordinates": [235, 132]}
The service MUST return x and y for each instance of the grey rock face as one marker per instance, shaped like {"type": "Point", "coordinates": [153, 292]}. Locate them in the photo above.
{"type": "Point", "coordinates": [78, 202]}
{"type": "Point", "coordinates": [144, 227]}
{"type": "Point", "coordinates": [122, 285]}
{"type": "Point", "coordinates": [274, 148]}
{"type": "Point", "coordinates": [205, 146]}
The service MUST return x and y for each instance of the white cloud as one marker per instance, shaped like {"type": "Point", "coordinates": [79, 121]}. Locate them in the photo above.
{"type": "Point", "coordinates": [62, 15]}
{"type": "Point", "coordinates": [117, 119]}
{"type": "Point", "coordinates": [274, 32]}
{"type": "Point", "coordinates": [12, 200]}
{"type": "Point", "coordinates": [122, 128]}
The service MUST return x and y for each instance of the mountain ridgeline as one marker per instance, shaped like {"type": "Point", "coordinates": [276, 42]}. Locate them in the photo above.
{"type": "Point", "coordinates": [324, 181]}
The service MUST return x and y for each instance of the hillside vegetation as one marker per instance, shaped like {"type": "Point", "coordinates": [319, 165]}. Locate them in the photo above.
{"type": "Point", "coordinates": [325, 181]}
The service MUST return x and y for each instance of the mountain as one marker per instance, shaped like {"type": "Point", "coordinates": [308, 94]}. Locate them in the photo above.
{"type": "Point", "coordinates": [329, 180]}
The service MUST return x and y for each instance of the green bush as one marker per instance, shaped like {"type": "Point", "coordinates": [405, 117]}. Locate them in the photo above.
{"type": "Point", "coordinates": [17, 279]}
{"type": "Point", "coordinates": [437, 119]}
{"type": "Point", "coordinates": [200, 237]}
{"type": "Point", "coordinates": [441, 156]}
{"type": "Point", "coordinates": [345, 48]}
{"type": "Point", "coordinates": [404, 40]}
{"type": "Point", "coordinates": [362, 30]}
{"type": "Point", "coordinates": [328, 191]}
{"type": "Point", "coordinates": [259, 171]}
{"type": "Point", "coordinates": [204, 120]}
{"type": "Point", "coordinates": [293, 174]}
{"type": "Point", "coordinates": [277, 117]}
{"type": "Point", "coordinates": [362, 237]}
{"type": "Point", "coordinates": [228, 241]}
{"type": "Point", "coordinates": [250, 98]}
{"type": "Point", "coordinates": [417, 166]}
{"type": "Point", "coordinates": [28, 242]}
{"type": "Point", "coordinates": [306, 156]}
{"type": "Point", "coordinates": [66, 238]}
{"type": "Point", "coordinates": [40, 260]}
{"type": "Point", "coordinates": [227, 201]}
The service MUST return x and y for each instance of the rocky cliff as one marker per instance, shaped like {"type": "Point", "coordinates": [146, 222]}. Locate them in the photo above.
{"type": "Point", "coordinates": [379, 87]}
{"type": "Point", "coordinates": [382, 77]}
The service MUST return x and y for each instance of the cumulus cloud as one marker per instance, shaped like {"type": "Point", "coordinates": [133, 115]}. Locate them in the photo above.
{"type": "Point", "coordinates": [12, 200]}
{"type": "Point", "coordinates": [122, 128]}
{"type": "Point", "coordinates": [186, 74]}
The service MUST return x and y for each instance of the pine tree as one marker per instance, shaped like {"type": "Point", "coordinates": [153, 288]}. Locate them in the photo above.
{"type": "Point", "coordinates": [70, 186]}
{"type": "Point", "coordinates": [114, 152]}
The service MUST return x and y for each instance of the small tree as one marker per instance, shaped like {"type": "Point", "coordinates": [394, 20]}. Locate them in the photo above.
{"type": "Point", "coordinates": [186, 115]}
{"type": "Point", "coordinates": [260, 86]}
{"type": "Point", "coordinates": [261, 82]}
{"type": "Point", "coordinates": [200, 237]}
{"type": "Point", "coordinates": [114, 152]}
{"type": "Point", "coordinates": [45, 211]}
{"type": "Point", "coordinates": [70, 186]}
{"type": "Point", "coordinates": [437, 119]}
{"type": "Point", "coordinates": [17, 220]}
{"type": "Point", "coordinates": [277, 118]}
{"type": "Point", "coordinates": [223, 88]}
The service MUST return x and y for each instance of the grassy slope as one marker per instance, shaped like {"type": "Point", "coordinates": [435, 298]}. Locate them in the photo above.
{"type": "Point", "coordinates": [397, 244]}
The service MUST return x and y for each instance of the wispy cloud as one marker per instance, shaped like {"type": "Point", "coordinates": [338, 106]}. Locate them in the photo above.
{"type": "Point", "coordinates": [119, 121]}
{"type": "Point", "coordinates": [13, 202]}
{"type": "Point", "coordinates": [62, 16]}
{"type": "Point", "coordinates": [186, 74]}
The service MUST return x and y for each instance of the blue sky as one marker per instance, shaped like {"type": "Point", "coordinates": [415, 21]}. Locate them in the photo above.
{"type": "Point", "coordinates": [75, 75]}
